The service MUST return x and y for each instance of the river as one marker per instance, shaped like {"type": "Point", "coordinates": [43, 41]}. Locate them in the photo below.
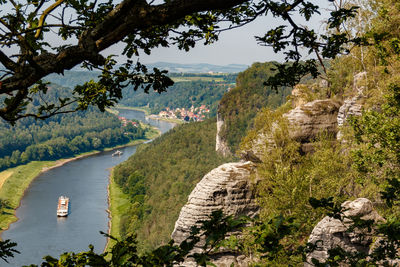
{"type": "Point", "coordinates": [39, 232]}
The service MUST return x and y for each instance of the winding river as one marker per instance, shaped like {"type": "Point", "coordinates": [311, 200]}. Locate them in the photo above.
{"type": "Point", "coordinates": [39, 232]}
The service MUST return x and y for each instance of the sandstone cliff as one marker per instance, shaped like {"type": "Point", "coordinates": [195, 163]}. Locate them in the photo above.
{"type": "Point", "coordinates": [330, 233]}
{"type": "Point", "coordinates": [352, 106]}
{"type": "Point", "coordinates": [305, 123]}
{"type": "Point", "coordinates": [221, 145]}
{"type": "Point", "coordinates": [227, 188]}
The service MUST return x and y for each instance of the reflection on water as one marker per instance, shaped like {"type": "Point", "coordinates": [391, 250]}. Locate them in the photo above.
{"type": "Point", "coordinates": [39, 231]}
{"type": "Point", "coordinates": [133, 114]}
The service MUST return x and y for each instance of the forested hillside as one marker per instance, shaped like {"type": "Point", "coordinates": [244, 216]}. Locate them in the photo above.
{"type": "Point", "coordinates": [240, 105]}
{"type": "Point", "coordinates": [72, 78]}
{"type": "Point", "coordinates": [62, 135]}
{"type": "Point", "coordinates": [297, 189]}
{"type": "Point", "coordinates": [182, 94]}
{"type": "Point", "coordinates": [159, 177]}
{"type": "Point", "coordinates": [189, 89]}
{"type": "Point", "coordinates": [311, 152]}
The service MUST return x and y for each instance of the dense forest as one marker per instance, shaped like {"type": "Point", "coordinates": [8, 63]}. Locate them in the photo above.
{"type": "Point", "coordinates": [241, 104]}
{"type": "Point", "coordinates": [63, 135]}
{"type": "Point", "coordinates": [73, 78]}
{"type": "Point", "coordinates": [159, 177]}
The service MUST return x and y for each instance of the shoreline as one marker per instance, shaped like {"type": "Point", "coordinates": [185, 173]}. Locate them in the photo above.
{"type": "Point", "coordinates": [108, 210]}
{"type": "Point", "coordinates": [142, 109]}
{"type": "Point", "coordinates": [151, 116]}
{"type": "Point", "coordinates": [156, 117]}
{"type": "Point", "coordinates": [117, 205]}
{"type": "Point", "coordinates": [49, 165]}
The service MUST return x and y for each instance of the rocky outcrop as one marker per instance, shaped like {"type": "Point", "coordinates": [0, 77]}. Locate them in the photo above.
{"type": "Point", "coordinates": [301, 95]}
{"type": "Point", "coordinates": [221, 145]}
{"type": "Point", "coordinates": [313, 118]}
{"type": "Point", "coordinates": [306, 122]}
{"type": "Point", "coordinates": [330, 233]}
{"type": "Point", "coordinates": [352, 106]}
{"type": "Point", "coordinates": [227, 188]}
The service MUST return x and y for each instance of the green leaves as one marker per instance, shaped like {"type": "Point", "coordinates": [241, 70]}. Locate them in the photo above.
{"type": "Point", "coordinates": [290, 74]}
{"type": "Point", "coordinates": [341, 15]}
{"type": "Point", "coordinates": [308, 9]}
{"type": "Point", "coordinates": [7, 249]}
{"type": "Point", "coordinates": [124, 252]}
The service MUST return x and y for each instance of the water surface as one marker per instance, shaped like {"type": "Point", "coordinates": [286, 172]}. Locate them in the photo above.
{"type": "Point", "coordinates": [39, 232]}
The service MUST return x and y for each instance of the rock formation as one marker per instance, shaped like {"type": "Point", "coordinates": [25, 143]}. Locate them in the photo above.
{"type": "Point", "coordinates": [306, 122]}
{"type": "Point", "coordinates": [227, 188]}
{"type": "Point", "coordinates": [352, 106]}
{"type": "Point", "coordinates": [301, 95]}
{"type": "Point", "coordinates": [313, 118]}
{"type": "Point", "coordinates": [220, 145]}
{"type": "Point", "coordinates": [330, 233]}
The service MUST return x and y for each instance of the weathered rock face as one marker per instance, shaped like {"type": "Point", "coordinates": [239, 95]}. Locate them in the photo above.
{"type": "Point", "coordinates": [359, 82]}
{"type": "Point", "coordinates": [313, 118]}
{"type": "Point", "coordinates": [352, 106]}
{"type": "Point", "coordinates": [330, 233]}
{"type": "Point", "coordinates": [220, 145]}
{"type": "Point", "coordinates": [306, 122]}
{"type": "Point", "coordinates": [227, 188]}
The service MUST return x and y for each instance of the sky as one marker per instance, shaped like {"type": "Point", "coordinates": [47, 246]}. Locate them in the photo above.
{"type": "Point", "coordinates": [236, 46]}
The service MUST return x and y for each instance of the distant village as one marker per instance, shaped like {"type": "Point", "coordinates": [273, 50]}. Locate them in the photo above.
{"type": "Point", "coordinates": [125, 121]}
{"type": "Point", "coordinates": [191, 114]}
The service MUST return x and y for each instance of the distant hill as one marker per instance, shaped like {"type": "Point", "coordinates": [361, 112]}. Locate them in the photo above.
{"type": "Point", "coordinates": [189, 89]}
{"type": "Point", "coordinates": [198, 68]}
{"type": "Point", "coordinates": [71, 78]}
{"type": "Point", "coordinates": [79, 76]}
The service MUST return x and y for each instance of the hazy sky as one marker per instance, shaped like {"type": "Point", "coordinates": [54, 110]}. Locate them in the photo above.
{"type": "Point", "coordinates": [237, 46]}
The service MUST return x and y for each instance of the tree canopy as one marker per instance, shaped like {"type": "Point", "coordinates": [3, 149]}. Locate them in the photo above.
{"type": "Point", "coordinates": [40, 37]}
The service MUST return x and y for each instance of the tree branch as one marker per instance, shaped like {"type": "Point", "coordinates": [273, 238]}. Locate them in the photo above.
{"type": "Point", "coordinates": [127, 17]}
{"type": "Point", "coordinates": [44, 15]}
{"type": "Point", "coordinates": [7, 62]}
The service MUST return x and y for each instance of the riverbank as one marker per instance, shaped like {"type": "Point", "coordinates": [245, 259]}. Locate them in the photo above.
{"type": "Point", "coordinates": [156, 117]}
{"type": "Point", "coordinates": [142, 109]}
{"type": "Point", "coordinates": [118, 204]}
{"type": "Point", "coordinates": [15, 185]}
{"type": "Point", "coordinates": [148, 114]}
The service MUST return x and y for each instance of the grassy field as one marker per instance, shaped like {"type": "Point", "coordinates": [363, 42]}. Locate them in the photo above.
{"type": "Point", "coordinates": [4, 176]}
{"type": "Point", "coordinates": [118, 205]}
{"type": "Point", "coordinates": [14, 181]}
{"type": "Point", "coordinates": [14, 187]}
{"type": "Point", "coordinates": [156, 117]}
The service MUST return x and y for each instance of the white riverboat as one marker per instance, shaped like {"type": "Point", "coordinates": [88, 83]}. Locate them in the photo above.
{"type": "Point", "coordinates": [63, 206]}
{"type": "Point", "coordinates": [117, 153]}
